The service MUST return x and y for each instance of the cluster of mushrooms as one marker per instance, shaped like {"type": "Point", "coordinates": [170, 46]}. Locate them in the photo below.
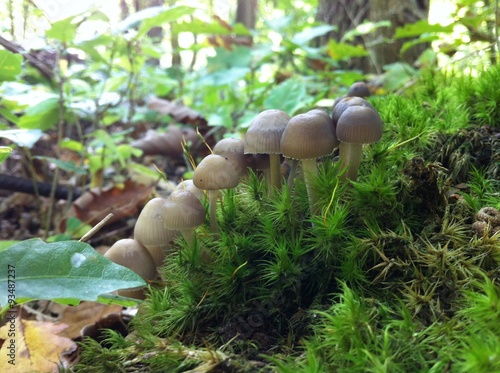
{"type": "Point", "coordinates": [272, 135]}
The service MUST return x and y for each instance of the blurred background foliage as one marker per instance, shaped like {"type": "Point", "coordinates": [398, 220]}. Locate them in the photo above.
{"type": "Point", "coordinates": [79, 71]}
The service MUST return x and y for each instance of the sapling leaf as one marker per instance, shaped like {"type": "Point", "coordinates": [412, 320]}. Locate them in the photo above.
{"type": "Point", "coordinates": [10, 65]}
{"type": "Point", "coordinates": [65, 272]}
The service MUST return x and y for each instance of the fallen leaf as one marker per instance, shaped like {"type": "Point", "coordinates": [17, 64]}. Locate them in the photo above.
{"type": "Point", "coordinates": [36, 346]}
{"type": "Point", "coordinates": [92, 206]}
{"type": "Point", "coordinates": [84, 314]}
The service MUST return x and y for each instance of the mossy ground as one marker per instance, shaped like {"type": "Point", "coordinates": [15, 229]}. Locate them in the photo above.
{"type": "Point", "coordinates": [388, 277]}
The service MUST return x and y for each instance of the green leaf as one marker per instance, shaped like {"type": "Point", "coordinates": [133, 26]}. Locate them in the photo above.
{"type": "Point", "coordinates": [420, 40]}
{"type": "Point", "coordinates": [7, 114]}
{"type": "Point", "coordinates": [64, 165]}
{"type": "Point", "coordinates": [4, 153]}
{"type": "Point", "coordinates": [64, 30]}
{"type": "Point", "coordinates": [24, 138]}
{"type": "Point", "coordinates": [308, 34]}
{"type": "Point", "coordinates": [365, 28]}
{"type": "Point", "coordinates": [66, 272]}
{"type": "Point", "coordinates": [289, 96]}
{"type": "Point", "coordinates": [169, 15]}
{"type": "Point", "coordinates": [43, 115]}
{"type": "Point", "coordinates": [342, 51]}
{"type": "Point", "coordinates": [419, 28]}
{"type": "Point", "coordinates": [10, 65]}
{"type": "Point", "coordinates": [6, 244]}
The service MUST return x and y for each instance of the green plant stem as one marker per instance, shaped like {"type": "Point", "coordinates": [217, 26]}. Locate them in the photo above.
{"type": "Point", "coordinates": [310, 169]}
{"type": "Point", "coordinates": [213, 195]}
{"type": "Point", "coordinates": [350, 159]}
{"type": "Point", "coordinates": [275, 167]}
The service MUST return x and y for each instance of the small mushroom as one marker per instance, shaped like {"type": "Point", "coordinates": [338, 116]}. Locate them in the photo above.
{"type": "Point", "coordinates": [264, 137]}
{"type": "Point", "coordinates": [359, 89]}
{"type": "Point", "coordinates": [214, 173]}
{"type": "Point", "coordinates": [307, 137]}
{"type": "Point", "coordinates": [184, 212]}
{"type": "Point", "coordinates": [345, 103]}
{"type": "Point", "coordinates": [356, 126]}
{"type": "Point", "coordinates": [150, 230]}
{"type": "Point", "coordinates": [189, 186]}
{"type": "Point", "coordinates": [131, 254]}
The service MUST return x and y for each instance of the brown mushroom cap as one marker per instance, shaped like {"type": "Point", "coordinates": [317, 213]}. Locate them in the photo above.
{"type": "Point", "coordinates": [359, 125]}
{"type": "Point", "coordinates": [308, 136]}
{"type": "Point", "coordinates": [131, 254]}
{"type": "Point", "coordinates": [345, 103]}
{"type": "Point", "coordinates": [183, 211]}
{"type": "Point", "coordinates": [215, 172]}
{"type": "Point", "coordinates": [150, 230]}
{"type": "Point", "coordinates": [265, 131]}
{"type": "Point", "coordinates": [233, 150]}
{"type": "Point", "coordinates": [359, 89]}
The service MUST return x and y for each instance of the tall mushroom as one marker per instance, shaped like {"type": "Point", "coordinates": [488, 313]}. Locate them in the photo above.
{"type": "Point", "coordinates": [264, 137]}
{"type": "Point", "coordinates": [213, 173]}
{"type": "Point", "coordinates": [356, 126]}
{"type": "Point", "coordinates": [307, 137]}
{"type": "Point", "coordinates": [183, 212]}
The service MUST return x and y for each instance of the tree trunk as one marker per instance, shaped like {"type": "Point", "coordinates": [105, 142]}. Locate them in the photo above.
{"type": "Point", "coordinates": [348, 14]}
{"type": "Point", "coordinates": [246, 13]}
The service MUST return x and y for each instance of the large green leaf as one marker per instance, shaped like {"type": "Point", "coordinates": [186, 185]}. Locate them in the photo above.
{"type": "Point", "coordinates": [66, 272]}
{"type": "Point", "coordinates": [10, 65]}
{"type": "Point", "coordinates": [43, 115]}
{"type": "Point", "coordinates": [64, 30]}
{"type": "Point", "coordinates": [289, 96]}
{"type": "Point", "coordinates": [419, 28]}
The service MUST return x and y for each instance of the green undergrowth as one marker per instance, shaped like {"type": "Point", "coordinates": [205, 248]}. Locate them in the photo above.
{"type": "Point", "coordinates": [386, 277]}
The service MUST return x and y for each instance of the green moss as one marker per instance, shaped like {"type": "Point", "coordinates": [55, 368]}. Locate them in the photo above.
{"type": "Point", "coordinates": [385, 277]}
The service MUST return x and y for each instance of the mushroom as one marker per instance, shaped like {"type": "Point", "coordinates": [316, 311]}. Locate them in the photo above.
{"type": "Point", "coordinates": [264, 137]}
{"type": "Point", "coordinates": [150, 230]}
{"type": "Point", "coordinates": [307, 137]}
{"type": "Point", "coordinates": [183, 212]}
{"type": "Point", "coordinates": [359, 89]}
{"type": "Point", "coordinates": [356, 126]}
{"type": "Point", "coordinates": [189, 185]}
{"type": "Point", "coordinates": [233, 150]}
{"type": "Point", "coordinates": [213, 173]}
{"type": "Point", "coordinates": [346, 102]}
{"type": "Point", "coordinates": [131, 254]}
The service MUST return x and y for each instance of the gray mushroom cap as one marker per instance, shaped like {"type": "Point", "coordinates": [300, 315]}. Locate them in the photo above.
{"type": "Point", "coordinates": [265, 131]}
{"type": "Point", "coordinates": [308, 136]}
{"type": "Point", "coordinates": [359, 125]}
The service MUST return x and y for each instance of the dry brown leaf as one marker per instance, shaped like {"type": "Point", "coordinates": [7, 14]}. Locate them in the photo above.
{"type": "Point", "coordinates": [84, 314]}
{"type": "Point", "coordinates": [38, 346]}
{"type": "Point", "coordinates": [176, 110]}
{"type": "Point", "coordinates": [92, 206]}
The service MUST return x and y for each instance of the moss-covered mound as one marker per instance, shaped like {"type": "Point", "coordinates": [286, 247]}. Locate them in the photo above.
{"type": "Point", "coordinates": [389, 276]}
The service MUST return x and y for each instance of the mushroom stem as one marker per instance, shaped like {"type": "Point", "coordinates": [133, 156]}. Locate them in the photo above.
{"type": "Point", "coordinates": [293, 172]}
{"type": "Point", "coordinates": [275, 167]}
{"type": "Point", "coordinates": [189, 236]}
{"type": "Point", "coordinates": [213, 195]}
{"type": "Point", "coordinates": [350, 158]}
{"type": "Point", "coordinates": [310, 168]}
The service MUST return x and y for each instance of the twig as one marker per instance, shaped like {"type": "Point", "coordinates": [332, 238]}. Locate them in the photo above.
{"type": "Point", "coordinates": [96, 228]}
